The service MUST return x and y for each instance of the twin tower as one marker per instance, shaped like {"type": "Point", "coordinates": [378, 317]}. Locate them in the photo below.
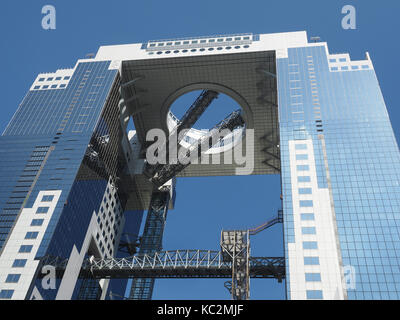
{"type": "Point", "coordinates": [75, 180]}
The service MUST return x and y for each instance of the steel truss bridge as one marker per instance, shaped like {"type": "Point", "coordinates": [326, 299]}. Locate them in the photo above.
{"type": "Point", "coordinates": [171, 264]}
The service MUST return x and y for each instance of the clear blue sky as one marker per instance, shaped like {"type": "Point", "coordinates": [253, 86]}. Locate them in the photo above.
{"type": "Point", "coordinates": [204, 205]}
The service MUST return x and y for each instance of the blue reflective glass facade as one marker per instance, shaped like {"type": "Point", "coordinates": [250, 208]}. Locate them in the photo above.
{"type": "Point", "coordinates": [66, 141]}
{"type": "Point", "coordinates": [356, 161]}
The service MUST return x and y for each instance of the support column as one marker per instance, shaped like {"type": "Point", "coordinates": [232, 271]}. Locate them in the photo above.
{"type": "Point", "coordinates": [151, 241]}
{"type": "Point", "coordinates": [235, 248]}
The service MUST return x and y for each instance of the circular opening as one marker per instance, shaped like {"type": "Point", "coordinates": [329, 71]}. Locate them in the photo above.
{"type": "Point", "coordinates": [219, 109]}
{"type": "Point", "coordinates": [176, 51]}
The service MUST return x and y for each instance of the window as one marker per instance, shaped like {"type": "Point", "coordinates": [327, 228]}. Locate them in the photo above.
{"type": "Point", "coordinates": [37, 222]}
{"type": "Point", "coordinates": [42, 210]}
{"type": "Point", "coordinates": [308, 230]}
{"type": "Point", "coordinates": [313, 277]}
{"type": "Point", "coordinates": [314, 294]}
{"type": "Point", "coordinates": [301, 156]}
{"type": "Point", "coordinates": [305, 190]}
{"type": "Point", "coordinates": [365, 67]}
{"type": "Point", "coordinates": [332, 60]}
{"type": "Point", "coordinates": [310, 245]}
{"type": "Point", "coordinates": [53, 86]}
{"type": "Point", "coordinates": [303, 167]}
{"type": "Point", "coordinates": [211, 40]}
{"type": "Point", "coordinates": [228, 39]}
{"type": "Point", "coordinates": [58, 78]}
{"type": "Point", "coordinates": [12, 278]}
{"type": "Point", "coordinates": [47, 198]}
{"type": "Point", "coordinates": [334, 68]}
{"type": "Point", "coordinates": [354, 67]}
{"type": "Point", "coordinates": [342, 60]}
{"type": "Point", "coordinates": [311, 261]}
{"type": "Point", "coordinates": [45, 87]}
{"type": "Point", "coordinates": [42, 79]}
{"type": "Point", "coordinates": [19, 263]}
{"type": "Point", "coordinates": [63, 85]}
{"type": "Point", "coordinates": [306, 203]}
{"type": "Point", "coordinates": [6, 294]}
{"type": "Point", "coordinates": [25, 249]}
{"type": "Point", "coordinates": [67, 78]}
{"type": "Point", "coordinates": [50, 79]}
{"type": "Point", "coordinates": [31, 235]}
{"type": "Point", "coordinates": [345, 68]}
{"type": "Point", "coordinates": [36, 87]}
{"type": "Point", "coordinates": [185, 42]}
{"type": "Point", "coordinates": [220, 40]}
{"type": "Point", "coordinates": [303, 179]}
{"type": "Point", "coordinates": [301, 147]}
{"type": "Point", "coordinates": [307, 216]}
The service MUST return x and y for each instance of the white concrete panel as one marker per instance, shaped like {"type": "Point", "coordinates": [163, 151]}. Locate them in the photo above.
{"type": "Point", "coordinates": [325, 236]}
{"type": "Point", "coordinates": [17, 238]}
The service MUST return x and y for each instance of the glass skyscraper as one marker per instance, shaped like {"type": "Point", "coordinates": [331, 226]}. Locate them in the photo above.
{"type": "Point", "coordinates": [63, 189]}
{"type": "Point", "coordinates": [72, 177]}
{"type": "Point", "coordinates": [340, 173]}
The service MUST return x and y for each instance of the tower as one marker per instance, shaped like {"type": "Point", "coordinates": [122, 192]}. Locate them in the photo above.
{"type": "Point", "coordinates": [72, 173]}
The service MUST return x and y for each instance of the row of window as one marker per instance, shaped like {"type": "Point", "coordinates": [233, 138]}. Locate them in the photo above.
{"type": "Point", "coordinates": [352, 68]}
{"type": "Point", "coordinates": [200, 50]}
{"type": "Point", "coordinates": [54, 86]}
{"type": "Point", "coordinates": [340, 60]}
{"type": "Point", "coordinates": [56, 79]}
{"type": "Point", "coordinates": [200, 41]}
